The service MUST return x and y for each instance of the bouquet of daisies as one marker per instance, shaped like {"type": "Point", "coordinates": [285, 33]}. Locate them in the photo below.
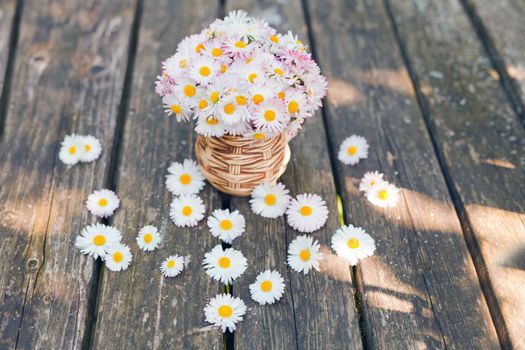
{"type": "Point", "coordinates": [240, 77]}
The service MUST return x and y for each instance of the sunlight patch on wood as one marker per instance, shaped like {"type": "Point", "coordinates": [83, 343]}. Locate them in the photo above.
{"type": "Point", "coordinates": [342, 93]}
{"type": "Point", "coordinates": [396, 80]}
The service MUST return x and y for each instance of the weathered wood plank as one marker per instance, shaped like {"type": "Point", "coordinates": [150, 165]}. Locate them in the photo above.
{"type": "Point", "coordinates": [68, 76]}
{"type": "Point", "coordinates": [139, 308]}
{"type": "Point", "coordinates": [321, 303]}
{"type": "Point", "coordinates": [420, 290]}
{"type": "Point", "coordinates": [7, 16]}
{"type": "Point", "coordinates": [482, 145]}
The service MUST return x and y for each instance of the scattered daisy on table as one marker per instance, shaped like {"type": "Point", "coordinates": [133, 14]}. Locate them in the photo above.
{"type": "Point", "coordinates": [185, 178]}
{"type": "Point", "coordinates": [224, 265]}
{"type": "Point", "coordinates": [353, 244]}
{"type": "Point", "coordinates": [102, 203]}
{"type": "Point", "coordinates": [304, 254]}
{"type": "Point", "coordinates": [95, 240]}
{"type": "Point", "coordinates": [268, 287]}
{"type": "Point", "coordinates": [91, 149]}
{"type": "Point", "coordinates": [369, 180]}
{"type": "Point", "coordinates": [224, 311]}
{"type": "Point", "coordinates": [353, 149]}
{"type": "Point", "coordinates": [172, 265]}
{"type": "Point", "coordinates": [118, 257]}
{"type": "Point", "coordinates": [270, 201]}
{"type": "Point", "coordinates": [148, 238]}
{"type": "Point", "coordinates": [187, 210]}
{"type": "Point", "coordinates": [79, 148]}
{"type": "Point", "coordinates": [383, 194]}
{"type": "Point", "coordinates": [226, 225]}
{"type": "Point", "coordinates": [307, 213]}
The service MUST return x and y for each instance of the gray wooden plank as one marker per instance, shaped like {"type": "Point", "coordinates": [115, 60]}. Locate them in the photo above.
{"type": "Point", "coordinates": [320, 306]}
{"type": "Point", "coordinates": [420, 290]}
{"type": "Point", "coordinates": [482, 145]}
{"type": "Point", "coordinates": [7, 15]}
{"type": "Point", "coordinates": [138, 308]}
{"type": "Point", "coordinates": [68, 76]}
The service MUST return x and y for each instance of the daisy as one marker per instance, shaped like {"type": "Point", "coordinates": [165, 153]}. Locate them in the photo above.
{"type": "Point", "coordinates": [186, 89]}
{"type": "Point", "coordinates": [91, 148]}
{"type": "Point", "coordinates": [95, 240]}
{"type": "Point", "coordinates": [267, 288]}
{"type": "Point", "coordinates": [270, 201]}
{"type": "Point", "coordinates": [307, 213]}
{"type": "Point", "coordinates": [352, 244]}
{"type": "Point", "coordinates": [224, 311]}
{"type": "Point", "coordinates": [295, 102]}
{"type": "Point", "coordinates": [224, 265]}
{"type": "Point", "coordinates": [175, 105]}
{"type": "Point", "coordinates": [270, 116]}
{"type": "Point", "coordinates": [148, 238]}
{"type": "Point", "coordinates": [369, 180]}
{"type": "Point", "coordinates": [213, 48]}
{"type": "Point", "coordinates": [102, 203]}
{"type": "Point", "coordinates": [210, 126]}
{"type": "Point", "coordinates": [258, 135]}
{"type": "Point", "coordinates": [383, 195]}
{"type": "Point", "coordinates": [172, 266]}
{"type": "Point", "coordinates": [187, 210]}
{"type": "Point", "coordinates": [204, 69]}
{"type": "Point", "coordinates": [225, 225]}
{"type": "Point", "coordinates": [353, 149]}
{"type": "Point", "coordinates": [70, 149]}
{"type": "Point", "coordinates": [304, 254]}
{"type": "Point", "coordinates": [118, 257]}
{"type": "Point", "coordinates": [185, 178]}
{"type": "Point", "coordinates": [229, 111]}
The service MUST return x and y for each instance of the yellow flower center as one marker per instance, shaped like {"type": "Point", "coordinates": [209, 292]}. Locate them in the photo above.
{"type": "Point", "coordinates": [278, 71]}
{"type": "Point", "coordinates": [270, 199]}
{"type": "Point", "coordinates": [185, 179]}
{"type": "Point", "coordinates": [211, 121]}
{"type": "Point", "coordinates": [171, 264]}
{"type": "Point", "coordinates": [176, 109]}
{"type": "Point", "coordinates": [102, 202]}
{"type": "Point", "coordinates": [269, 115]}
{"type": "Point", "coordinates": [216, 52]}
{"type": "Point", "coordinates": [204, 71]}
{"type": "Point", "coordinates": [249, 60]}
{"type": "Point", "coordinates": [241, 100]}
{"type": "Point", "coordinates": [199, 48]}
{"type": "Point", "coordinates": [224, 262]}
{"type": "Point", "coordinates": [87, 148]}
{"type": "Point", "coordinates": [186, 211]}
{"type": "Point", "coordinates": [274, 38]}
{"type": "Point", "coordinates": [189, 90]}
{"type": "Point", "coordinates": [214, 96]}
{"type": "Point", "coordinates": [240, 44]}
{"type": "Point", "coordinates": [226, 224]}
{"type": "Point", "coordinates": [306, 210]}
{"type": "Point", "coordinates": [148, 238]}
{"type": "Point", "coordinates": [280, 95]}
{"type": "Point", "coordinates": [203, 104]}
{"type": "Point", "coordinates": [252, 77]}
{"type": "Point", "coordinates": [352, 150]}
{"type": "Point", "coordinates": [258, 136]}
{"type": "Point", "coordinates": [225, 311]}
{"type": "Point", "coordinates": [117, 257]}
{"type": "Point", "coordinates": [229, 108]}
{"type": "Point", "coordinates": [353, 243]}
{"type": "Point", "coordinates": [304, 255]}
{"type": "Point", "coordinates": [293, 107]}
{"type": "Point", "coordinates": [266, 286]}
{"type": "Point", "coordinates": [372, 183]}
{"type": "Point", "coordinates": [224, 68]}
{"type": "Point", "coordinates": [383, 194]}
{"type": "Point", "coordinates": [72, 150]}
{"type": "Point", "coordinates": [183, 63]}
{"type": "Point", "coordinates": [99, 240]}
{"type": "Point", "coordinates": [257, 99]}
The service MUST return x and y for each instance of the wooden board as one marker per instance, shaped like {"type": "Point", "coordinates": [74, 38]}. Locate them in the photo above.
{"type": "Point", "coordinates": [481, 144]}
{"type": "Point", "coordinates": [420, 290]}
{"type": "Point", "coordinates": [318, 310]}
{"type": "Point", "coordinates": [68, 76]}
{"type": "Point", "coordinates": [139, 308]}
{"type": "Point", "coordinates": [7, 19]}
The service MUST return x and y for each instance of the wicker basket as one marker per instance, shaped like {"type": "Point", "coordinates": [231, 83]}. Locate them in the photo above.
{"type": "Point", "coordinates": [235, 165]}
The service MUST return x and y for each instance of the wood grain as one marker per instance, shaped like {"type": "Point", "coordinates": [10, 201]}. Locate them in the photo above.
{"type": "Point", "coordinates": [321, 303]}
{"type": "Point", "coordinates": [139, 308]}
{"type": "Point", "coordinates": [420, 290]}
{"type": "Point", "coordinates": [481, 143]}
{"type": "Point", "coordinates": [68, 76]}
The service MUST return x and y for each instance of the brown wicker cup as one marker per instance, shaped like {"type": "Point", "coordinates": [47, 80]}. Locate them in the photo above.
{"type": "Point", "coordinates": [235, 165]}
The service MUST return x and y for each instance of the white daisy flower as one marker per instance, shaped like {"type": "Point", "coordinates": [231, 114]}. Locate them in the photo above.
{"type": "Point", "coordinates": [229, 111]}
{"type": "Point", "coordinates": [353, 149]}
{"type": "Point", "coordinates": [307, 213]}
{"type": "Point", "coordinates": [172, 266]}
{"type": "Point", "coordinates": [270, 201]}
{"type": "Point", "coordinates": [225, 225]}
{"type": "Point", "coordinates": [224, 311]}
{"type": "Point", "coordinates": [304, 254]}
{"type": "Point", "coordinates": [185, 178]}
{"type": "Point", "coordinates": [295, 102]}
{"type": "Point", "coordinates": [187, 210]}
{"type": "Point", "coordinates": [267, 288]}
{"type": "Point", "coordinates": [102, 203]}
{"type": "Point", "coordinates": [187, 90]}
{"type": "Point", "coordinates": [213, 48]}
{"type": "Point", "coordinates": [96, 239]}
{"type": "Point", "coordinates": [181, 108]}
{"type": "Point", "coordinates": [224, 265]}
{"type": "Point", "coordinates": [352, 244]}
{"type": "Point", "coordinates": [70, 149]}
{"type": "Point", "coordinates": [260, 93]}
{"type": "Point", "coordinates": [383, 195]}
{"type": "Point", "coordinates": [204, 69]}
{"type": "Point", "coordinates": [271, 115]}
{"type": "Point", "coordinates": [91, 148]}
{"type": "Point", "coordinates": [148, 238]}
{"type": "Point", "coordinates": [369, 180]}
{"type": "Point", "coordinates": [210, 126]}
{"type": "Point", "coordinates": [118, 257]}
